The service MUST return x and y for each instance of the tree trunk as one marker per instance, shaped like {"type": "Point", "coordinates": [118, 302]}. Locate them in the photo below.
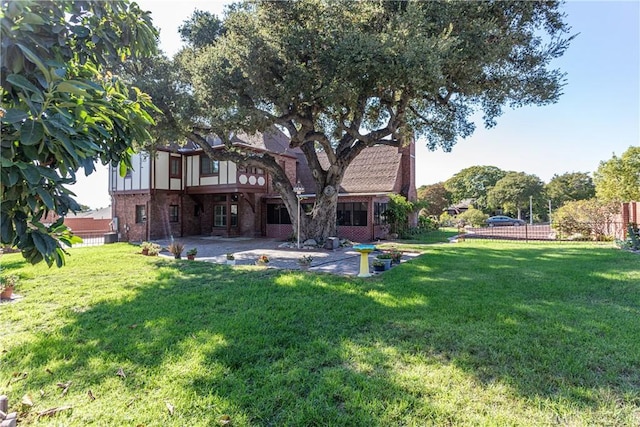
{"type": "Point", "coordinates": [322, 223]}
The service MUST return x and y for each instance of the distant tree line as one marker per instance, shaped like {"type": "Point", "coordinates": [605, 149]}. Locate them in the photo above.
{"type": "Point", "coordinates": [491, 190]}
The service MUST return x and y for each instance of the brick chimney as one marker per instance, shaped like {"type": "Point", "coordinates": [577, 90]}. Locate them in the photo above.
{"type": "Point", "coordinates": [408, 165]}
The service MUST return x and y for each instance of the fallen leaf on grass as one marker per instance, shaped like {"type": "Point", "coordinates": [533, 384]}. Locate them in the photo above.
{"type": "Point", "coordinates": [52, 411]}
{"type": "Point", "coordinates": [27, 400]}
{"type": "Point", "coordinates": [64, 387]}
{"type": "Point", "coordinates": [91, 396]}
{"type": "Point", "coordinates": [17, 376]}
{"type": "Point", "coordinates": [121, 373]}
{"type": "Point", "coordinates": [169, 407]}
{"type": "Point", "coordinates": [135, 325]}
{"type": "Point", "coordinates": [130, 402]}
{"type": "Point", "coordinates": [225, 420]}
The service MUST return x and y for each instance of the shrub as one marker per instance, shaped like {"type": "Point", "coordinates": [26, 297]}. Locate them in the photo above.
{"type": "Point", "coordinates": [427, 223]}
{"type": "Point", "coordinates": [591, 219]}
{"type": "Point", "coordinates": [447, 220]}
{"type": "Point", "coordinates": [474, 217]}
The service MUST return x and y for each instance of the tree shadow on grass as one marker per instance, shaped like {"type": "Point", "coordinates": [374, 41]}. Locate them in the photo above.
{"type": "Point", "coordinates": [273, 347]}
{"type": "Point", "coordinates": [558, 324]}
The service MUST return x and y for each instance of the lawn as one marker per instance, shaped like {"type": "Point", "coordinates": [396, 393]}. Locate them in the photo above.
{"type": "Point", "coordinates": [474, 333]}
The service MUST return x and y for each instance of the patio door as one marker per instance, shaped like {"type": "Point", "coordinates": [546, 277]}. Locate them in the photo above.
{"type": "Point", "coordinates": [225, 218]}
{"type": "Point", "coordinates": [220, 216]}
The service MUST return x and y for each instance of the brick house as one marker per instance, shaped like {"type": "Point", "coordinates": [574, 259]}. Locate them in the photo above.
{"type": "Point", "coordinates": [181, 192]}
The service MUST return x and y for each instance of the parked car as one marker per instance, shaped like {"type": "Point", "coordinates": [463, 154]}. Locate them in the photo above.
{"type": "Point", "coordinates": [503, 220]}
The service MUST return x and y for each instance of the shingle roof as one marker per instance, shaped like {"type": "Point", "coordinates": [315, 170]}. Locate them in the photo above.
{"type": "Point", "coordinates": [374, 170]}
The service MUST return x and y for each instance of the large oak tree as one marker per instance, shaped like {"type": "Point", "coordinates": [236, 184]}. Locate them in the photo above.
{"type": "Point", "coordinates": [339, 77]}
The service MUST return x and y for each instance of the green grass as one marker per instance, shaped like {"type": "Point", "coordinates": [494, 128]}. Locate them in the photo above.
{"type": "Point", "coordinates": [474, 333]}
{"type": "Point", "coordinates": [441, 235]}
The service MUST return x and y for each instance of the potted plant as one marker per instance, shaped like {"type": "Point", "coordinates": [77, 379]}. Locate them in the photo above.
{"type": "Point", "coordinates": [231, 259]}
{"type": "Point", "coordinates": [145, 246]}
{"type": "Point", "coordinates": [305, 261]}
{"type": "Point", "coordinates": [396, 255]}
{"type": "Point", "coordinates": [176, 249]}
{"type": "Point", "coordinates": [385, 258]}
{"type": "Point", "coordinates": [154, 249]}
{"type": "Point", "coordinates": [7, 285]}
{"type": "Point", "coordinates": [378, 265]}
{"type": "Point", "coordinates": [151, 249]}
{"type": "Point", "coordinates": [262, 260]}
{"type": "Point", "coordinates": [191, 253]}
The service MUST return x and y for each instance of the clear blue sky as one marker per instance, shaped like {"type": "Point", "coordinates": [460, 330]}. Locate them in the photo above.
{"type": "Point", "coordinates": [598, 115]}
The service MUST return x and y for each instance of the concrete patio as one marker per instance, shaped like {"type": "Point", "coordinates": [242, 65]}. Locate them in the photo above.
{"type": "Point", "coordinates": [342, 261]}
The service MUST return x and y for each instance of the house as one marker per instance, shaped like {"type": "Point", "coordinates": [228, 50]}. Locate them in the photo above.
{"type": "Point", "coordinates": [180, 191]}
{"type": "Point", "coordinates": [460, 207]}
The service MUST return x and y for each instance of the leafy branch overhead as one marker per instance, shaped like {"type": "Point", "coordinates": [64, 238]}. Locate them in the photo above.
{"type": "Point", "coordinates": [65, 108]}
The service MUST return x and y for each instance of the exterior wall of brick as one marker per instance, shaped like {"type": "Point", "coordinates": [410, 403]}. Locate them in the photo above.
{"type": "Point", "coordinates": [159, 222]}
{"type": "Point", "coordinates": [290, 169]}
{"type": "Point", "coordinates": [124, 209]}
{"type": "Point", "coordinates": [408, 173]}
{"type": "Point", "coordinates": [366, 233]}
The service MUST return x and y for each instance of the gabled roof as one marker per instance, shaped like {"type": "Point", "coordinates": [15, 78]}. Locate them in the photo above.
{"type": "Point", "coordinates": [375, 170]}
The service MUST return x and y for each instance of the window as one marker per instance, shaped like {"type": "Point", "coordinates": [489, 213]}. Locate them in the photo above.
{"type": "Point", "coordinates": [141, 213]}
{"type": "Point", "coordinates": [378, 213]}
{"type": "Point", "coordinates": [220, 216]}
{"type": "Point", "coordinates": [277, 214]}
{"type": "Point", "coordinates": [208, 166]}
{"type": "Point", "coordinates": [173, 213]}
{"type": "Point", "coordinates": [354, 213]}
{"type": "Point", "coordinates": [234, 215]}
{"type": "Point", "coordinates": [175, 167]}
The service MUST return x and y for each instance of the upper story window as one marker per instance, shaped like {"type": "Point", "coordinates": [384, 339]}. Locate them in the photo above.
{"type": "Point", "coordinates": [175, 167]}
{"type": "Point", "coordinates": [208, 166]}
{"type": "Point", "coordinates": [250, 169]}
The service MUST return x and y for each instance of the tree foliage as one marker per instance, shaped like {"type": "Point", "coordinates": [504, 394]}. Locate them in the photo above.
{"type": "Point", "coordinates": [586, 218]}
{"type": "Point", "coordinates": [513, 192]}
{"type": "Point", "coordinates": [618, 179]}
{"type": "Point", "coordinates": [472, 216]}
{"type": "Point", "coordinates": [474, 183]}
{"type": "Point", "coordinates": [570, 186]}
{"type": "Point", "coordinates": [201, 29]}
{"type": "Point", "coordinates": [397, 214]}
{"type": "Point", "coordinates": [435, 197]}
{"type": "Point", "coordinates": [340, 77]}
{"type": "Point", "coordinates": [63, 109]}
